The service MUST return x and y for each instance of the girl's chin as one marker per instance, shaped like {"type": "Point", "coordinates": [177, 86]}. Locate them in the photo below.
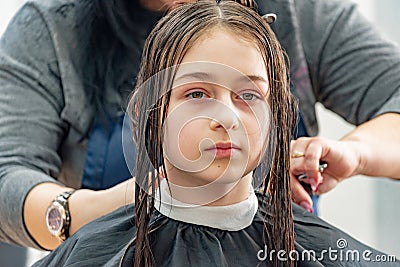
{"type": "Point", "coordinates": [207, 182]}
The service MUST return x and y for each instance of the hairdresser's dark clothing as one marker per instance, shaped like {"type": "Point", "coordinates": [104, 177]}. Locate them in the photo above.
{"type": "Point", "coordinates": [53, 70]}
{"type": "Point", "coordinates": [51, 67]}
{"type": "Point", "coordinates": [109, 241]}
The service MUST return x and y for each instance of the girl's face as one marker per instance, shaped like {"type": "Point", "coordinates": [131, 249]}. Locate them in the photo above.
{"type": "Point", "coordinates": [218, 113]}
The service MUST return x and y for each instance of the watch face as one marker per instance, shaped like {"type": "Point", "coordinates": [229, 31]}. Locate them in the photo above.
{"type": "Point", "coordinates": [54, 220]}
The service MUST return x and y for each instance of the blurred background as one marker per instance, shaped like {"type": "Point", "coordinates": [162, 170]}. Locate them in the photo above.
{"type": "Point", "coordinates": [366, 208]}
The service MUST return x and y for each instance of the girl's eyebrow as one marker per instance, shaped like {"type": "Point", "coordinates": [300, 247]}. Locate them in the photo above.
{"type": "Point", "coordinates": [196, 76]}
{"type": "Point", "coordinates": [209, 77]}
{"type": "Point", "coordinates": [254, 78]}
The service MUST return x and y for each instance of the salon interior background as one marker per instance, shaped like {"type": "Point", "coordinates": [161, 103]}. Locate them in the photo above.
{"type": "Point", "coordinates": [366, 208]}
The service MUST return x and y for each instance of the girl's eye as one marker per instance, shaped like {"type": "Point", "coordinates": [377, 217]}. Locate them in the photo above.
{"type": "Point", "coordinates": [248, 97]}
{"type": "Point", "coordinates": [196, 95]}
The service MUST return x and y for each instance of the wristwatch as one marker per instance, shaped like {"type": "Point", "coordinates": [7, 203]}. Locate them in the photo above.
{"type": "Point", "coordinates": [58, 218]}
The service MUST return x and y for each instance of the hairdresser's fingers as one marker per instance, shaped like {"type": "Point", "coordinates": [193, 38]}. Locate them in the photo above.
{"type": "Point", "coordinates": [305, 157]}
{"type": "Point", "coordinates": [342, 162]}
{"type": "Point", "coordinates": [299, 195]}
{"type": "Point", "coordinates": [307, 167]}
{"type": "Point", "coordinates": [328, 184]}
{"type": "Point", "coordinates": [297, 156]}
{"type": "Point", "coordinates": [341, 157]}
{"type": "Point", "coordinates": [312, 159]}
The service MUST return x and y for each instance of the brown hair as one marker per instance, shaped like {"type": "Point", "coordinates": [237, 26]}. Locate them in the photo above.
{"type": "Point", "coordinates": [165, 47]}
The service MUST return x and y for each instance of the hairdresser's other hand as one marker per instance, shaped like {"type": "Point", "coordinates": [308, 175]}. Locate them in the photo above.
{"type": "Point", "coordinates": [85, 206]}
{"type": "Point", "coordinates": [101, 202]}
{"type": "Point", "coordinates": [342, 158]}
{"type": "Point", "coordinates": [88, 205]}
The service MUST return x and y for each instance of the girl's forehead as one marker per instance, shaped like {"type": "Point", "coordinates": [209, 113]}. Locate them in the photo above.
{"type": "Point", "coordinates": [227, 48]}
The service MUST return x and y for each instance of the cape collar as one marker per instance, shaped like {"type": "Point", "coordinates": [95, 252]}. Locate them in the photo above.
{"type": "Point", "coordinates": [233, 217]}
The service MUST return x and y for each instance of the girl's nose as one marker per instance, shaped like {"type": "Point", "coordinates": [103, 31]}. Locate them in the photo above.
{"type": "Point", "coordinates": [224, 117]}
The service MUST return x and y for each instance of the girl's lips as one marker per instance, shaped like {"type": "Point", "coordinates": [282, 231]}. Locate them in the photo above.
{"type": "Point", "coordinates": [224, 145]}
{"type": "Point", "coordinates": [223, 149]}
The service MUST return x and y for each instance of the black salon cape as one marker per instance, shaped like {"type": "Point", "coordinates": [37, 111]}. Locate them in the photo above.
{"type": "Point", "coordinates": [107, 241]}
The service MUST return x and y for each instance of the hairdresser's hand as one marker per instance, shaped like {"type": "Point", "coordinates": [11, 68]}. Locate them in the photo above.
{"type": "Point", "coordinates": [342, 158]}
{"type": "Point", "coordinates": [88, 205]}
{"type": "Point", "coordinates": [85, 206]}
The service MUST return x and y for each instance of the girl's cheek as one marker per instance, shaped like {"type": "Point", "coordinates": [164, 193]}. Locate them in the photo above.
{"type": "Point", "coordinates": [189, 141]}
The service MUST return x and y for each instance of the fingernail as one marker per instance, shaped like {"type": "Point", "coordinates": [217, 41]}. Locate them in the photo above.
{"type": "Point", "coordinates": [313, 184]}
{"type": "Point", "coordinates": [306, 206]}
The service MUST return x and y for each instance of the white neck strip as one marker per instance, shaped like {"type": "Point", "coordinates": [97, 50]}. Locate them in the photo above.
{"type": "Point", "coordinates": [233, 217]}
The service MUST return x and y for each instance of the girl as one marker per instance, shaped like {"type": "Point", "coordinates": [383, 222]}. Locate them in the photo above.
{"type": "Point", "coordinates": [212, 107]}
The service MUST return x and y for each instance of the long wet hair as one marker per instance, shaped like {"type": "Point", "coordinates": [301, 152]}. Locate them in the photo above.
{"type": "Point", "coordinates": [165, 47]}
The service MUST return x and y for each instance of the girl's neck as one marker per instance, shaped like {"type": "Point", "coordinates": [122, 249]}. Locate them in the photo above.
{"type": "Point", "coordinates": [215, 194]}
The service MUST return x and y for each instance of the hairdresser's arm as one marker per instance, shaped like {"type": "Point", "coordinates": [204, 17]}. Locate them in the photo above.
{"type": "Point", "coordinates": [85, 206]}
{"type": "Point", "coordinates": [31, 127]}
{"type": "Point", "coordinates": [370, 149]}
{"type": "Point", "coordinates": [338, 41]}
